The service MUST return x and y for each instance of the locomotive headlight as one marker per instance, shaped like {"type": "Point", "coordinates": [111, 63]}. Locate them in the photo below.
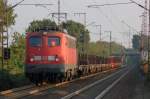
{"type": "Point", "coordinates": [31, 59]}
{"type": "Point", "coordinates": [57, 59]}
{"type": "Point", "coordinates": [44, 33]}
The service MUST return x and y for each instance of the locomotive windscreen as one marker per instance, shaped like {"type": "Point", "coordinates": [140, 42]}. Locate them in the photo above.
{"type": "Point", "coordinates": [53, 41]}
{"type": "Point", "coordinates": [35, 41]}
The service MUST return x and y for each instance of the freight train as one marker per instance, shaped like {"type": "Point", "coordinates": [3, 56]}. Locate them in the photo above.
{"type": "Point", "coordinates": [52, 55]}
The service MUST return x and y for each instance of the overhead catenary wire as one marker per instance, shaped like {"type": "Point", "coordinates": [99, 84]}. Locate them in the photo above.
{"type": "Point", "coordinates": [106, 16]}
{"type": "Point", "coordinates": [15, 5]}
{"type": "Point", "coordinates": [114, 15]}
{"type": "Point", "coordinates": [36, 4]}
{"type": "Point", "coordinates": [108, 19]}
{"type": "Point", "coordinates": [111, 4]}
{"type": "Point", "coordinates": [140, 5]}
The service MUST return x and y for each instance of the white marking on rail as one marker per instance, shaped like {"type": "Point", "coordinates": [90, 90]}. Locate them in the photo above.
{"type": "Point", "coordinates": [59, 84]}
{"type": "Point", "coordinates": [6, 92]}
{"type": "Point", "coordinates": [89, 86]}
{"type": "Point", "coordinates": [15, 89]}
{"type": "Point", "coordinates": [34, 91]}
{"type": "Point", "coordinates": [104, 92]}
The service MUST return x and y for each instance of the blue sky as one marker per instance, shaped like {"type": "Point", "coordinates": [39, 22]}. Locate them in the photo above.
{"type": "Point", "coordinates": [110, 17]}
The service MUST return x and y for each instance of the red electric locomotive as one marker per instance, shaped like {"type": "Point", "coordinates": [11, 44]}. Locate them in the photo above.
{"type": "Point", "coordinates": [50, 55]}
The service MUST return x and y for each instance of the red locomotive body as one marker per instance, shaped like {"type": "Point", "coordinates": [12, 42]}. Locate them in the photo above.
{"type": "Point", "coordinates": [50, 55]}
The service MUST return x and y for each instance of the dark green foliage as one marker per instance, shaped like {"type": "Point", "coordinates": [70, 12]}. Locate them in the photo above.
{"type": "Point", "coordinates": [7, 15]}
{"type": "Point", "coordinates": [39, 24]}
{"type": "Point", "coordinates": [140, 42]}
{"type": "Point", "coordinates": [13, 75]}
{"type": "Point", "coordinates": [6, 53]}
{"type": "Point", "coordinates": [5, 81]}
{"type": "Point", "coordinates": [9, 81]}
{"type": "Point", "coordinates": [18, 46]}
{"type": "Point", "coordinates": [102, 48]}
{"type": "Point", "coordinates": [7, 18]}
{"type": "Point", "coordinates": [77, 30]}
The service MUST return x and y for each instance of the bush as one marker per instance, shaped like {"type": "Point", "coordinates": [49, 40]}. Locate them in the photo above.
{"type": "Point", "coordinates": [9, 81]}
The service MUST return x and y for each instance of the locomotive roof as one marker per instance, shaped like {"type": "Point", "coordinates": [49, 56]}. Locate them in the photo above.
{"type": "Point", "coordinates": [53, 32]}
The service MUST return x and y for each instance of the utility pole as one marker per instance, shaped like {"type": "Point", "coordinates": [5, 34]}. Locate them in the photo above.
{"type": "Point", "coordinates": [144, 30]}
{"type": "Point", "coordinates": [1, 36]}
{"type": "Point", "coordinates": [100, 31]}
{"type": "Point", "coordinates": [129, 33]}
{"type": "Point", "coordinates": [83, 14]}
{"type": "Point", "coordinates": [84, 43]}
{"type": "Point", "coordinates": [129, 38]}
{"type": "Point", "coordinates": [145, 8]}
{"type": "Point", "coordinates": [59, 14]}
{"type": "Point", "coordinates": [4, 29]}
{"type": "Point", "coordinates": [149, 42]}
{"type": "Point", "coordinates": [110, 38]}
{"type": "Point", "coordinates": [110, 42]}
{"type": "Point", "coordinates": [6, 33]}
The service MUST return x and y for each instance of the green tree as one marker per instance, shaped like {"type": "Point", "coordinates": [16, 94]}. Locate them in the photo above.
{"type": "Point", "coordinates": [17, 46]}
{"type": "Point", "coordinates": [38, 24]}
{"type": "Point", "coordinates": [7, 16]}
{"type": "Point", "coordinates": [77, 30]}
{"type": "Point", "coordinates": [101, 48]}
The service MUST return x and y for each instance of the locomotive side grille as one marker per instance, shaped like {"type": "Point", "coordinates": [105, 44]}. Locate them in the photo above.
{"type": "Point", "coordinates": [37, 58]}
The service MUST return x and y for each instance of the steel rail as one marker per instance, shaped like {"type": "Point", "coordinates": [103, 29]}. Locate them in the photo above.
{"type": "Point", "coordinates": [32, 89]}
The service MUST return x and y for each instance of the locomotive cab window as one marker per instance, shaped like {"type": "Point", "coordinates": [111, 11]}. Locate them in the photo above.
{"type": "Point", "coordinates": [35, 41]}
{"type": "Point", "coordinates": [53, 41]}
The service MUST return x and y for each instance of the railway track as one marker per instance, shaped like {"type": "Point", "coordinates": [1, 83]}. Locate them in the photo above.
{"type": "Point", "coordinates": [32, 89]}
{"type": "Point", "coordinates": [100, 87]}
